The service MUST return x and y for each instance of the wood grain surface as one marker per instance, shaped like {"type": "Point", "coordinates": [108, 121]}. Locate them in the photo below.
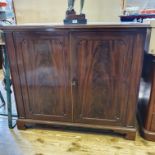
{"type": "Point", "coordinates": [77, 74]}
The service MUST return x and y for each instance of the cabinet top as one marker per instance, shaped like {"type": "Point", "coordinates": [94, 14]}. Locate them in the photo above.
{"type": "Point", "coordinates": [74, 26]}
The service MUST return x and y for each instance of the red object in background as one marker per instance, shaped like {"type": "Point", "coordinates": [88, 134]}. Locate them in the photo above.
{"type": "Point", "coordinates": [148, 11]}
{"type": "Point", "coordinates": [3, 4]}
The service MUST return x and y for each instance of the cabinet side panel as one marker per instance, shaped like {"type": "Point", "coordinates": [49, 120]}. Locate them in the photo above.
{"type": "Point", "coordinates": [14, 73]}
{"type": "Point", "coordinates": [138, 50]}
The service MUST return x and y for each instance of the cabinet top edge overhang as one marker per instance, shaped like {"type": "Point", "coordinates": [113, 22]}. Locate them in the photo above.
{"type": "Point", "coordinates": [74, 26]}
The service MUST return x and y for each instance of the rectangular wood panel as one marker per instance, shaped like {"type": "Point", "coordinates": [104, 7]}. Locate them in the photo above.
{"type": "Point", "coordinates": [101, 76]}
{"type": "Point", "coordinates": [44, 75]}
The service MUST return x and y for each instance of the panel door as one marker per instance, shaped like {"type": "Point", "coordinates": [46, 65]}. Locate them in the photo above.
{"type": "Point", "coordinates": [43, 65]}
{"type": "Point", "coordinates": [102, 63]}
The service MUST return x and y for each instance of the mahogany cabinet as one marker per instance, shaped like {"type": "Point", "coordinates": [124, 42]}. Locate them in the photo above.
{"type": "Point", "coordinates": [146, 105]}
{"type": "Point", "coordinates": [77, 75]}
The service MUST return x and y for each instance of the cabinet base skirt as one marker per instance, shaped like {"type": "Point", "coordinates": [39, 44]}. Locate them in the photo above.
{"type": "Point", "coordinates": [129, 133]}
{"type": "Point", "coordinates": [148, 135]}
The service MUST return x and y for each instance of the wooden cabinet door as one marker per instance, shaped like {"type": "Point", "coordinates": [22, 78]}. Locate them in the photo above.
{"type": "Point", "coordinates": [101, 76]}
{"type": "Point", "coordinates": [43, 66]}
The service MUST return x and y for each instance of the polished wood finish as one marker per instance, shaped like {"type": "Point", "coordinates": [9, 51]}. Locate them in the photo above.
{"type": "Point", "coordinates": [146, 110]}
{"type": "Point", "coordinates": [44, 74]}
{"type": "Point", "coordinates": [103, 78]}
{"type": "Point", "coordinates": [51, 27]}
{"type": "Point", "coordinates": [21, 125]}
{"type": "Point", "coordinates": [147, 134]}
{"type": "Point", "coordinates": [79, 76]}
{"type": "Point", "coordinates": [129, 132]}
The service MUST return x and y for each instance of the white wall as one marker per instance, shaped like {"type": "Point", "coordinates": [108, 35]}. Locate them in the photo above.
{"type": "Point", "coordinates": [32, 11]}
